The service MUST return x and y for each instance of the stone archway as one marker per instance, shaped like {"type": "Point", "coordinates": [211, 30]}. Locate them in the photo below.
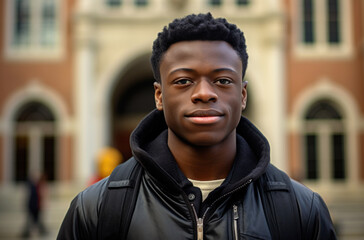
{"type": "Point", "coordinates": [132, 99]}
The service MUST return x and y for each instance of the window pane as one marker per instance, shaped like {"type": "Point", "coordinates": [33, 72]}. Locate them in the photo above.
{"type": "Point", "coordinates": [242, 2]}
{"type": "Point", "coordinates": [22, 23]}
{"type": "Point", "coordinates": [21, 158]}
{"type": "Point", "coordinates": [338, 156]}
{"type": "Point", "coordinates": [49, 157]}
{"type": "Point", "coordinates": [141, 2]}
{"type": "Point", "coordinates": [34, 112]}
{"type": "Point", "coordinates": [323, 109]}
{"type": "Point", "coordinates": [48, 34]}
{"type": "Point", "coordinates": [215, 2]}
{"type": "Point", "coordinates": [308, 22]}
{"type": "Point", "coordinates": [113, 3]}
{"type": "Point", "coordinates": [311, 156]}
{"type": "Point", "coordinates": [333, 21]}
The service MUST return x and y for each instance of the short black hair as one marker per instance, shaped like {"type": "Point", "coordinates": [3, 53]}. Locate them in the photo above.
{"type": "Point", "coordinates": [198, 27]}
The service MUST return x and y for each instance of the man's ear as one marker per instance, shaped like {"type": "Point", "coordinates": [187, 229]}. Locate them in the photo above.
{"type": "Point", "coordinates": [158, 96]}
{"type": "Point", "coordinates": [244, 94]}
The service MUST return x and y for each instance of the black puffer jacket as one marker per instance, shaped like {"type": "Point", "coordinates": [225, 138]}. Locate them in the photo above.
{"type": "Point", "coordinates": [169, 207]}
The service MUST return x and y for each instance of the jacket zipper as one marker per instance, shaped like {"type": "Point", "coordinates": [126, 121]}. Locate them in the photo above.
{"type": "Point", "coordinates": [200, 229]}
{"type": "Point", "coordinates": [199, 221]}
{"type": "Point", "coordinates": [236, 217]}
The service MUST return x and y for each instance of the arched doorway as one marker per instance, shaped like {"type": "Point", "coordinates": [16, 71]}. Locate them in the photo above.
{"type": "Point", "coordinates": [34, 142]}
{"type": "Point", "coordinates": [132, 99]}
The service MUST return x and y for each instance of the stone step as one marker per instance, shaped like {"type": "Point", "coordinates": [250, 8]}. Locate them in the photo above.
{"type": "Point", "coordinates": [348, 217]}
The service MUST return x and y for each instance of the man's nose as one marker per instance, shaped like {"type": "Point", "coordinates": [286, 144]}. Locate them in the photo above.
{"type": "Point", "coordinates": [204, 92]}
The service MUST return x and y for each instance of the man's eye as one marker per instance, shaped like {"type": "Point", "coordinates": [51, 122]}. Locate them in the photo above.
{"type": "Point", "coordinates": [223, 81]}
{"type": "Point", "coordinates": [183, 81]}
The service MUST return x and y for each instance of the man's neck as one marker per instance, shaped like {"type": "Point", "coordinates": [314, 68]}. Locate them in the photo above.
{"type": "Point", "coordinates": [204, 162]}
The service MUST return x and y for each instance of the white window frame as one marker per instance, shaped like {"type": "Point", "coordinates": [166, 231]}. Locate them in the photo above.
{"type": "Point", "coordinates": [324, 129]}
{"type": "Point", "coordinates": [34, 51]}
{"type": "Point", "coordinates": [36, 131]}
{"type": "Point", "coordinates": [321, 48]}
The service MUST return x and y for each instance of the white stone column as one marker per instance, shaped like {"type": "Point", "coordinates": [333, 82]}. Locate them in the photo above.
{"type": "Point", "coordinates": [275, 92]}
{"type": "Point", "coordinates": [84, 93]}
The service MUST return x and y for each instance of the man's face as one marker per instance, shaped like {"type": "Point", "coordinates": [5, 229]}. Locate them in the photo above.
{"type": "Point", "coordinates": [201, 91]}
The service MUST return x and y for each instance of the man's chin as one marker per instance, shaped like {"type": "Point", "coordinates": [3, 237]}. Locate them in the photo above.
{"type": "Point", "coordinates": [205, 141]}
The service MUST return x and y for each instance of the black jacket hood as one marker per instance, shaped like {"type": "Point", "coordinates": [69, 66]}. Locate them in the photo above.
{"type": "Point", "coordinates": [149, 146]}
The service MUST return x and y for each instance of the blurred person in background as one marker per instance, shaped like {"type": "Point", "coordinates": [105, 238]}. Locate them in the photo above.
{"type": "Point", "coordinates": [34, 205]}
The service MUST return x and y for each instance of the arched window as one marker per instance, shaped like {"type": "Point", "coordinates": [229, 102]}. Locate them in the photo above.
{"type": "Point", "coordinates": [324, 142]}
{"type": "Point", "coordinates": [34, 141]}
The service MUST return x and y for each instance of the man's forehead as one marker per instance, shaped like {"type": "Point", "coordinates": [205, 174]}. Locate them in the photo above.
{"type": "Point", "coordinates": [207, 51]}
{"type": "Point", "coordinates": [203, 44]}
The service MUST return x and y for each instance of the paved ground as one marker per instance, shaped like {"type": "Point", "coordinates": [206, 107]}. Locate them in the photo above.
{"type": "Point", "coordinates": [13, 216]}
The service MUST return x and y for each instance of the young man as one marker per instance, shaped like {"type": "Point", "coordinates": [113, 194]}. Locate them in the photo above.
{"type": "Point", "coordinates": [202, 162]}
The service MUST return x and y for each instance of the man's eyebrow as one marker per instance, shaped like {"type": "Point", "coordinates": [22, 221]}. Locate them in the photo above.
{"type": "Point", "coordinates": [182, 69]}
{"type": "Point", "coordinates": [215, 70]}
{"type": "Point", "coordinates": [225, 69]}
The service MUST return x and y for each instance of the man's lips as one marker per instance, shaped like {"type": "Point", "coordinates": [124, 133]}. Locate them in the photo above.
{"type": "Point", "coordinates": [204, 116]}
